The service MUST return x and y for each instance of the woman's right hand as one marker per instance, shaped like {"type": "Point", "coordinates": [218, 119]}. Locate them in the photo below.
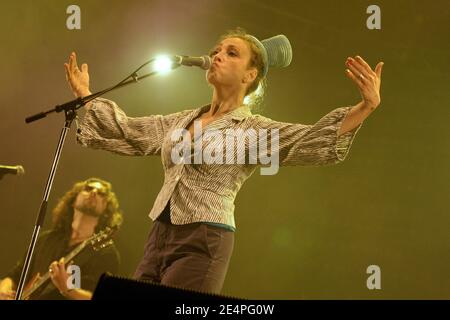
{"type": "Point", "coordinates": [78, 79]}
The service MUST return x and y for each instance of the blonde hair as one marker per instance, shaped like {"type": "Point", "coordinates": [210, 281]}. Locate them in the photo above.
{"type": "Point", "coordinates": [256, 61]}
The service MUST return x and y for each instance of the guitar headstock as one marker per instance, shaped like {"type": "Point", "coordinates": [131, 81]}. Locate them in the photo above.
{"type": "Point", "coordinates": [103, 239]}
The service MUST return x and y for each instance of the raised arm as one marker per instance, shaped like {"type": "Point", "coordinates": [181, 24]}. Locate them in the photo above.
{"type": "Point", "coordinates": [368, 83]}
{"type": "Point", "coordinates": [312, 145]}
{"type": "Point", "coordinates": [77, 79]}
{"type": "Point", "coordinates": [105, 126]}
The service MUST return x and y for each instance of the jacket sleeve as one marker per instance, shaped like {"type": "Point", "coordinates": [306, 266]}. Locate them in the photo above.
{"type": "Point", "coordinates": [105, 126]}
{"type": "Point", "coordinates": [312, 145]}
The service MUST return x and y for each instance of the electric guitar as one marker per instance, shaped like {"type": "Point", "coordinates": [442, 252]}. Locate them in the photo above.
{"type": "Point", "coordinates": [96, 242]}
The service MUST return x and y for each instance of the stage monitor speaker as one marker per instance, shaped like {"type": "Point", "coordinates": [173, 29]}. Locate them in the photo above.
{"type": "Point", "coordinates": [112, 287]}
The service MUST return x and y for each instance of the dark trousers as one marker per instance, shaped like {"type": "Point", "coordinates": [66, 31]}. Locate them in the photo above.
{"type": "Point", "coordinates": [193, 256]}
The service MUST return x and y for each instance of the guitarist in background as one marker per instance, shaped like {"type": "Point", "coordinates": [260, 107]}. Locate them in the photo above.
{"type": "Point", "coordinates": [88, 208]}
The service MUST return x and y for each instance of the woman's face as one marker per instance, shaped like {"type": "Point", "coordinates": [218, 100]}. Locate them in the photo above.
{"type": "Point", "coordinates": [231, 59]}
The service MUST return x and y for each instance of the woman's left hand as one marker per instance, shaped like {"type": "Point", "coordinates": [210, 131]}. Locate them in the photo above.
{"type": "Point", "coordinates": [367, 80]}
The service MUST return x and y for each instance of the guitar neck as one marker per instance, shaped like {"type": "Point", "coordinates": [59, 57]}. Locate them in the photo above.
{"type": "Point", "coordinates": [68, 258]}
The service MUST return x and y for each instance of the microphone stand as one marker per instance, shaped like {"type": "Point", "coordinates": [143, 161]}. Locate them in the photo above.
{"type": "Point", "coordinates": [69, 109]}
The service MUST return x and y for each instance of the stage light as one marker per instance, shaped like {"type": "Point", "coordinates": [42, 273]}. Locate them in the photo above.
{"type": "Point", "coordinates": [163, 64]}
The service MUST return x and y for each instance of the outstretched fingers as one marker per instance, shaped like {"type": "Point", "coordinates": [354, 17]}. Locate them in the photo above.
{"type": "Point", "coordinates": [73, 62]}
{"type": "Point", "coordinates": [356, 79]}
{"type": "Point", "coordinates": [84, 68]}
{"type": "Point", "coordinates": [378, 69]}
{"type": "Point", "coordinates": [360, 61]}
{"type": "Point", "coordinates": [67, 70]}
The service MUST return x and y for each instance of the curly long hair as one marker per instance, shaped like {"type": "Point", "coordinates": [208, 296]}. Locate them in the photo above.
{"type": "Point", "coordinates": [63, 211]}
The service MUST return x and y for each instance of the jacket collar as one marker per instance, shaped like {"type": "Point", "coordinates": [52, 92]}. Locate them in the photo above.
{"type": "Point", "coordinates": [238, 114]}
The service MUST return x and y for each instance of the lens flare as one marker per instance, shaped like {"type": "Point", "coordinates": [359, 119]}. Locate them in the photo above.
{"type": "Point", "coordinates": [163, 64]}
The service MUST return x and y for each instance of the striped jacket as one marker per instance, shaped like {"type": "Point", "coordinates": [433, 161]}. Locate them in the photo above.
{"type": "Point", "coordinates": [206, 192]}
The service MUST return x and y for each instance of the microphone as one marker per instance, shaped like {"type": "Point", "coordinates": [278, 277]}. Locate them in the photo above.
{"type": "Point", "coordinates": [18, 170]}
{"type": "Point", "coordinates": [203, 62]}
